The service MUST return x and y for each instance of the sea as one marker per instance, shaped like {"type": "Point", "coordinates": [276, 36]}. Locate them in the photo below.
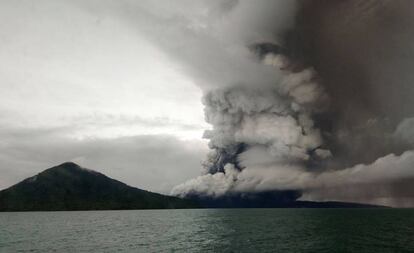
{"type": "Point", "coordinates": [210, 230]}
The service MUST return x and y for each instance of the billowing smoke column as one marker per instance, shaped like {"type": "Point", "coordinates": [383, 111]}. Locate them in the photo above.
{"type": "Point", "coordinates": [262, 128]}
{"type": "Point", "coordinates": [277, 119]}
{"type": "Point", "coordinates": [313, 96]}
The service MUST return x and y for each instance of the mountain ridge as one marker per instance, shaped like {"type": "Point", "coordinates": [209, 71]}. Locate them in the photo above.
{"type": "Point", "coordinates": [69, 186]}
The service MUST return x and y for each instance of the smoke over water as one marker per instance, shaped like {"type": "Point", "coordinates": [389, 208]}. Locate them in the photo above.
{"type": "Point", "coordinates": [311, 96]}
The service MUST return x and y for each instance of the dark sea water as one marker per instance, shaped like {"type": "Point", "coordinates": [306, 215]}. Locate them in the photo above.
{"type": "Point", "coordinates": [210, 230]}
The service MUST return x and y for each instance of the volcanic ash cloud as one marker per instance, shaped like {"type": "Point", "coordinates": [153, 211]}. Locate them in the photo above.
{"type": "Point", "coordinates": [259, 131]}
{"type": "Point", "coordinates": [309, 95]}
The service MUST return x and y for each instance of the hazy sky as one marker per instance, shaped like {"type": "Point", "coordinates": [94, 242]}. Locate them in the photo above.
{"type": "Point", "coordinates": [80, 86]}
{"type": "Point", "coordinates": [122, 87]}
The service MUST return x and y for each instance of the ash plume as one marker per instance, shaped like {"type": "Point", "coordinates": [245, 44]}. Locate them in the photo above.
{"type": "Point", "coordinates": [312, 96]}
{"type": "Point", "coordinates": [262, 126]}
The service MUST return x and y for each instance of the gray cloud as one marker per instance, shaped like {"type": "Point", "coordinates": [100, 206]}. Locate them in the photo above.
{"type": "Point", "coordinates": [206, 37]}
{"type": "Point", "coordinates": [108, 120]}
{"type": "Point", "coordinates": [386, 181]}
{"type": "Point", "coordinates": [308, 104]}
{"type": "Point", "coordinates": [155, 163]}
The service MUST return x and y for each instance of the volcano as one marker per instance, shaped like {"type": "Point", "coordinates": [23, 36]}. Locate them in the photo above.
{"type": "Point", "coordinates": [69, 187]}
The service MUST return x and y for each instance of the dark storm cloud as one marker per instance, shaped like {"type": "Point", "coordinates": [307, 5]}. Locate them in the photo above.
{"type": "Point", "coordinates": [364, 52]}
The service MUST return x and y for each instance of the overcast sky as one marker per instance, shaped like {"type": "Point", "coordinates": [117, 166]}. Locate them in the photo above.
{"type": "Point", "coordinates": [79, 85]}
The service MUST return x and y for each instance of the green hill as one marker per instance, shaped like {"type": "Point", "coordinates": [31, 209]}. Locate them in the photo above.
{"type": "Point", "coordinates": [70, 187]}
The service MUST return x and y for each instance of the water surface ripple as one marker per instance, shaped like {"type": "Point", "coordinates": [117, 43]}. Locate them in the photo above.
{"type": "Point", "coordinates": [210, 230]}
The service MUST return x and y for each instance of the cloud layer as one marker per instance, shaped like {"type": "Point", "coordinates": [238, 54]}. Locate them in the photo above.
{"type": "Point", "coordinates": [301, 95]}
